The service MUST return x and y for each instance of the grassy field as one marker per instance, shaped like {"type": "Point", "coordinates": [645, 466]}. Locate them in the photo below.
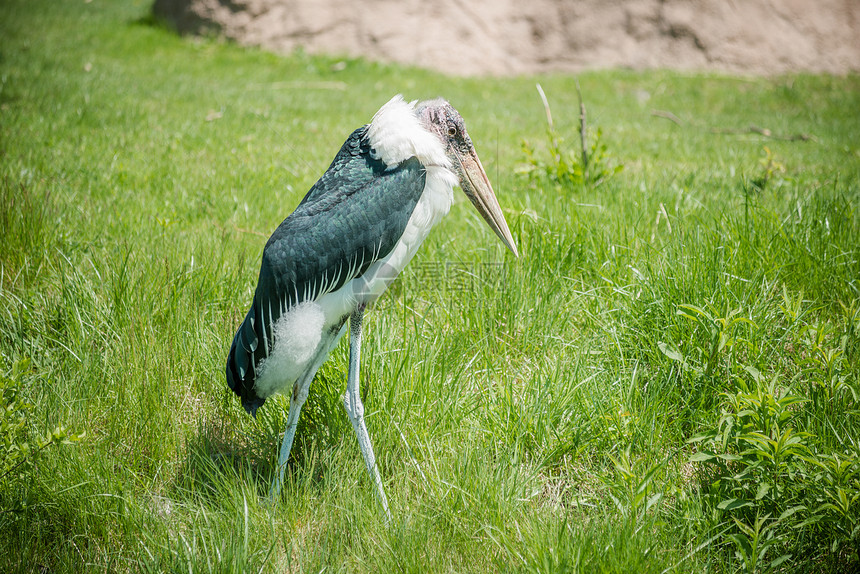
{"type": "Point", "coordinates": [667, 380]}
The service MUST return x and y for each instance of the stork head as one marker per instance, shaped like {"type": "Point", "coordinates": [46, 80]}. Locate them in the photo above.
{"type": "Point", "coordinates": [442, 120]}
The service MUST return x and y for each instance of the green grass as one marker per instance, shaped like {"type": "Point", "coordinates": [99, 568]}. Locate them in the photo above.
{"type": "Point", "coordinates": [666, 380]}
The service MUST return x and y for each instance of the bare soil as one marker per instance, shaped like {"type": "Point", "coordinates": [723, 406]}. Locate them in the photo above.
{"type": "Point", "coordinates": [509, 37]}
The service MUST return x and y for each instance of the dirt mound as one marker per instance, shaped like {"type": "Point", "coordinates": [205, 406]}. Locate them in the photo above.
{"type": "Point", "coordinates": [505, 37]}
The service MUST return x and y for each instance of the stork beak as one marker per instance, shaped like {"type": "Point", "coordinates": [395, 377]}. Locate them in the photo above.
{"type": "Point", "coordinates": [476, 185]}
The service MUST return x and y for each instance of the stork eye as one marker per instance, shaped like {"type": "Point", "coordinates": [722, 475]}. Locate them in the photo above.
{"type": "Point", "coordinates": [452, 131]}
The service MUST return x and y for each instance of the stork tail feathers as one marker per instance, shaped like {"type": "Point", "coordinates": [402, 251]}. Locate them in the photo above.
{"type": "Point", "coordinates": [241, 369]}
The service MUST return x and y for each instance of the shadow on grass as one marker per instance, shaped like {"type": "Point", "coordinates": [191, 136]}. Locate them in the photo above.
{"type": "Point", "coordinates": [226, 452]}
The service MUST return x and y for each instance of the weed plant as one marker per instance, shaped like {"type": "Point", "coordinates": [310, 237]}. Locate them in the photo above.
{"type": "Point", "coordinates": [666, 380]}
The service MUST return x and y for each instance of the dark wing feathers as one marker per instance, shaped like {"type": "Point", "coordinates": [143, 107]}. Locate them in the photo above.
{"type": "Point", "coordinates": [353, 216]}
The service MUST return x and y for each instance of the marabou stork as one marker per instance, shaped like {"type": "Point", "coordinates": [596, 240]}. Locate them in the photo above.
{"type": "Point", "coordinates": [354, 231]}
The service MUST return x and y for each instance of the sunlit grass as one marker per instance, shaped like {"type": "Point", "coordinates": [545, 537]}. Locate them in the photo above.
{"type": "Point", "coordinates": [528, 415]}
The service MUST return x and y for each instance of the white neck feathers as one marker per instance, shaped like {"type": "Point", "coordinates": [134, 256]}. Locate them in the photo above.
{"type": "Point", "coordinates": [396, 134]}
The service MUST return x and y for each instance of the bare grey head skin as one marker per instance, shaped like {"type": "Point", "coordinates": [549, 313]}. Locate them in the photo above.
{"type": "Point", "coordinates": [440, 118]}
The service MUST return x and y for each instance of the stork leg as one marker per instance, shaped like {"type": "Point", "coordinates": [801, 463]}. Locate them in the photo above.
{"type": "Point", "coordinates": [297, 400]}
{"type": "Point", "coordinates": [355, 408]}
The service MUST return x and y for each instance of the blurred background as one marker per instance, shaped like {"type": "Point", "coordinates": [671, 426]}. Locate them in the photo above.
{"type": "Point", "coordinates": [507, 37]}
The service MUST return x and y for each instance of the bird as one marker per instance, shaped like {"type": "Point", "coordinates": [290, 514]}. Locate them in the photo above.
{"type": "Point", "coordinates": [356, 229]}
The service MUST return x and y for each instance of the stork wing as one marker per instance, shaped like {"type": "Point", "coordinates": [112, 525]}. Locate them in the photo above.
{"type": "Point", "coordinates": [353, 216]}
